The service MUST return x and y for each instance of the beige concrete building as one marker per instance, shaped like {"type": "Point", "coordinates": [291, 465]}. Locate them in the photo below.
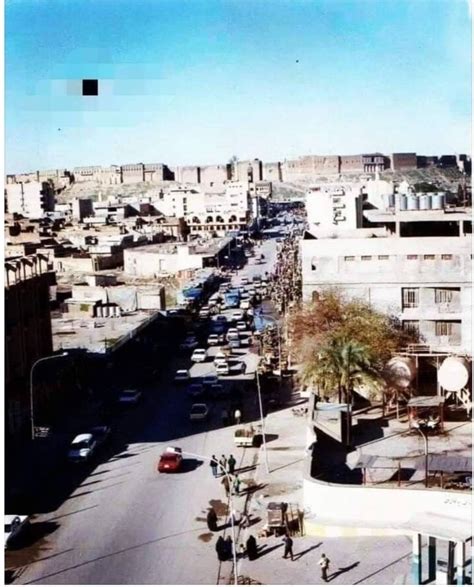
{"type": "Point", "coordinates": [30, 199]}
{"type": "Point", "coordinates": [414, 264]}
{"type": "Point", "coordinates": [188, 174]}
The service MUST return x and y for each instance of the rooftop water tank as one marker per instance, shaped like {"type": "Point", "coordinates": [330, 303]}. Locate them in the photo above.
{"type": "Point", "coordinates": [413, 202]}
{"type": "Point", "coordinates": [400, 371]}
{"type": "Point", "coordinates": [403, 202]}
{"type": "Point", "coordinates": [438, 201]}
{"type": "Point", "coordinates": [453, 374]}
{"type": "Point", "coordinates": [425, 202]}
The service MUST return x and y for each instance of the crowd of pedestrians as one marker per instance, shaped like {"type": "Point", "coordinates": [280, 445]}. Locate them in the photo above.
{"type": "Point", "coordinates": [285, 281]}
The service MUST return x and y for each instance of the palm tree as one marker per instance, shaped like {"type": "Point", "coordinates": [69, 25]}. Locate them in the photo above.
{"type": "Point", "coordinates": [345, 365]}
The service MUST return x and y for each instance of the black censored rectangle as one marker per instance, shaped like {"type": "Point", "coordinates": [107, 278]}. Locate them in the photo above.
{"type": "Point", "coordinates": [90, 87]}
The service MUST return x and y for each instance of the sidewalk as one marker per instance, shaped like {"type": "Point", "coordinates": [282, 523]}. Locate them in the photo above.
{"type": "Point", "coordinates": [354, 558]}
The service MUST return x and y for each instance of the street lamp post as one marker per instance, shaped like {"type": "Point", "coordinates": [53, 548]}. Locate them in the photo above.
{"type": "Point", "coordinates": [234, 549]}
{"type": "Point", "coordinates": [262, 420]}
{"type": "Point", "coordinates": [32, 412]}
{"type": "Point", "coordinates": [417, 427]}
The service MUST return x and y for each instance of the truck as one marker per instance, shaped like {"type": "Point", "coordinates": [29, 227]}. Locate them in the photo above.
{"type": "Point", "coordinates": [232, 298]}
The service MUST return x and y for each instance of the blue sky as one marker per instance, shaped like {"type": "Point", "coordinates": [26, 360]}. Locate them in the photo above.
{"type": "Point", "coordinates": [198, 81]}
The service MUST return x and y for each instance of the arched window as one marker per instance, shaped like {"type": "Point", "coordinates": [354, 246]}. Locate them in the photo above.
{"type": "Point", "coordinates": [209, 219]}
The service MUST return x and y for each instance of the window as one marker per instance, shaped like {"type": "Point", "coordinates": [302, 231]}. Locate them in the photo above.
{"type": "Point", "coordinates": [444, 328]}
{"type": "Point", "coordinates": [410, 297]}
{"type": "Point", "coordinates": [383, 257]}
{"type": "Point", "coordinates": [446, 257]}
{"type": "Point", "coordinates": [350, 258]}
{"type": "Point", "coordinates": [443, 296]}
{"type": "Point", "coordinates": [366, 258]}
{"type": "Point", "coordinates": [411, 326]}
{"type": "Point", "coordinates": [412, 257]}
{"type": "Point", "coordinates": [429, 257]}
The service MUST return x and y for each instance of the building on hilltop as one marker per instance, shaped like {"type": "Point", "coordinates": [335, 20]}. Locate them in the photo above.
{"type": "Point", "coordinates": [403, 161]}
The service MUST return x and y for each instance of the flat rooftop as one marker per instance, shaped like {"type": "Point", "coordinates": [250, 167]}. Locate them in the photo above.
{"type": "Point", "coordinates": [445, 215]}
{"type": "Point", "coordinates": [198, 247]}
{"type": "Point", "coordinates": [98, 335]}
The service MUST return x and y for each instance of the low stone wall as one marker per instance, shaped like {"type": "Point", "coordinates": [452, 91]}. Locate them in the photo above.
{"type": "Point", "coordinates": [366, 505]}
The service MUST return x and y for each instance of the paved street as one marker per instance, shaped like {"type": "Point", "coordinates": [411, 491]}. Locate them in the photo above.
{"type": "Point", "coordinates": [126, 523]}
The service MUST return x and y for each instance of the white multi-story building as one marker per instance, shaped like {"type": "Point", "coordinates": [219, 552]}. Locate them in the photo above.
{"type": "Point", "coordinates": [30, 199]}
{"type": "Point", "coordinates": [334, 207]}
{"type": "Point", "coordinates": [414, 264]}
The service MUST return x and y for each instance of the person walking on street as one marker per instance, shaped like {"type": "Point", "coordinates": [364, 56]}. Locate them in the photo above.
{"type": "Point", "coordinates": [252, 548]}
{"type": "Point", "coordinates": [220, 549]}
{"type": "Point", "coordinates": [237, 416]}
{"type": "Point", "coordinates": [223, 465]}
{"type": "Point", "coordinates": [288, 542]}
{"type": "Point", "coordinates": [231, 462]}
{"type": "Point", "coordinates": [212, 520]}
{"type": "Point", "coordinates": [229, 547]}
{"type": "Point", "coordinates": [214, 465]}
{"type": "Point", "coordinates": [236, 485]}
{"type": "Point", "coordinates": [324, 564]}
{"type": "Point", "coordinates": [225, 483]}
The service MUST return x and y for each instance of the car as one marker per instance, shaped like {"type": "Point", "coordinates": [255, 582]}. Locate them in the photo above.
{"type": "Point", "coordinates": [244, 280]}
{"type": "Point", "coordinates": [220, 318]}
{"type": "Point", "coordinates": [199, 356]}
{"type": "Point", "coordinates": [256, 279]}
{"type": "Point", "coordinates": [101, 434]}
{"type": "Point", "coordinates": [189, 344]}
{"type": "Point", "coordinates": [242, 326]}
{"type": "Point", "coordinates": [198, 412]}
{"type": "Point", "coordinates": [218, 327]}
{"type": "Point", "coordinates": [238, 315]}
{"type": "Point", "coordinates": [204, 312]}
{"type": "Point", "coordinates": [14, 524]}
{"type": "Point", "coordinates": [232, 334]}
{"type": "Point", "coordinates": [171, 460]}
{"type": "Point", "coordinates": [182, 375]}
{"type": "Point", "coordinates": [209, 380]}
{"type": "Point", "coordinates": [129, 397]}
{"type": "Point", "coordinates": [234, 343]}
{"type": "Point", "coordinates": [82, 448]}
{"type": "Point", "coordinates": [222, 368]}
{"type": "Point", "coordinates": [196, 390]}
{"type": "Point", "coordinates": [214, 339]}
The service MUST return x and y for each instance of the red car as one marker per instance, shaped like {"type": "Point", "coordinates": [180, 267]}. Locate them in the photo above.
{"type": "Point", "coordinates": [170, 461]}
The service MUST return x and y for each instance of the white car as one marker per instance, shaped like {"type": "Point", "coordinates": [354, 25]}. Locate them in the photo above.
{"type": "Point", "coordinates": [242, 326]}
{"type": "Point", "coordinates": [129, 397]}
{"type": "Point", "coordinates": [245, 305]}
{"type": "Point", "coordinates": [238, 315]}
{"type": "Point", "coordinates": [198, 412]}
{"type": "Point", "coordinates": [214, 339]}
{"type": "Point", "coordinates": [14, 523]}
{"type": "Point", "coordinates": [232, 333]}
{"type": "Point", "coordinates": [234, 343]}
{"type": "Point", "coordinates": [244, 280]}
{"type": "Point", "coordinates": [199, 356]}
{"type": "Point", "coordinates": [182, 376]}
{"type": "Point", "coordinates": [82, 448]}
{"type": "Point", "coordinates": [222, 368]}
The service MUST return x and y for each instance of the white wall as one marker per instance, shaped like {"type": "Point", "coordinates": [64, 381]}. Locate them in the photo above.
{"type": "Point", "coordinates": [373, 505]}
